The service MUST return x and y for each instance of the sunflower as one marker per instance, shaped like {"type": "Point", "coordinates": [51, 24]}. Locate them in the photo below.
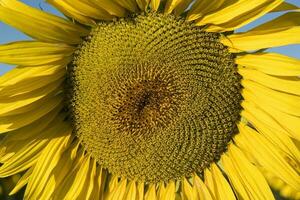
{"type": "Point", "coordinates": [151, 99]}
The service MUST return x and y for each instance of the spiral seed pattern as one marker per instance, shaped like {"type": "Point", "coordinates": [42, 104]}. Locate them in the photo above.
{"type": "Point", "coordinates": [153, 97]}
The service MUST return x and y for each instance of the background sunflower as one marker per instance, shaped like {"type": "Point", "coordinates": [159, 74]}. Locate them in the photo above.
{"type": "Point", "coordinates": [285, 51]}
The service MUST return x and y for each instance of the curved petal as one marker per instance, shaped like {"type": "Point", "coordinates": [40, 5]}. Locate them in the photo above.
{"type": "Point", "coordinates": [281, 31]}
{"type": "Point", "coordinates": [43, 26]}
{"type": "Point", "coordinates": [35, 53]}
{"type": "Point", "coordinates": [270, 63]}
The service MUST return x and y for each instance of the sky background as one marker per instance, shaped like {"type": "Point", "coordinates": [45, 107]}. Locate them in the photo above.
{"type": "Point", "coordinates": [9, 34]}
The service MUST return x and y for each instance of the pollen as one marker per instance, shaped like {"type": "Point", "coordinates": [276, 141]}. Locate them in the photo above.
{"type": "Point", "coordinates": [153, 97]}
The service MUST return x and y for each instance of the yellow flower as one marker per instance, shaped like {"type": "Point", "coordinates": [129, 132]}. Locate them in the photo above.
{"type": "Point", "coordinates": [151, 99]}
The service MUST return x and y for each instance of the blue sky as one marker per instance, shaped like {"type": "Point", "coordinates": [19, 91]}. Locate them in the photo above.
{"type": "Point", "coordinates": [8, 34]}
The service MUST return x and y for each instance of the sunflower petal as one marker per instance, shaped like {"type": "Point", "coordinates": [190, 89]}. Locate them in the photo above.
{"type": "Point", "coordinates": [70, 11]}
{"type": "Point", "coordinates": [201, 188]}
{"type": "Point", "coordinates": [182, 7]}
{"type": "Point", "coordinates": [171, 5]}
{"type": "Point", "coordinates": [289, 122]}
{"type": "Point", "coordinates": [169, 193]}
{"type": "Point", "coordinates": [89, 182]}
{"type": "Point", "coordinates": [79, 181]}
{"type": "Point", "coordinates": [27, 102]}
{"type": "Point", "coordinates": [111, 7]}
{"type": "Point", "coordinates": [132, 191]}
{"type": "Point", "coordinates": [48, 161]}
{"type": "Point", "coordinates": [140, 188]}
{"type": "Point", "coordinates": [266, 118]}
{"type": "Point", "coordinates": [100, 178]}
{"type": "Point", "coordinates": [14, 122]}
{"type": "Point", "coordinates": [201, 8]}
{"type": "Point", "coordinates": [235, 10]}
{"type": "Point", "coordinates": [279, 139]}
{"type": "Point", "coordinates": [278, 100]}
{"type": "Point", "coordinates": [220, 185]}
{"type": "Point", "coordinates": [276, 83]}
{"type": "Point", "coordinates": [34, 129]}
{"type": "Point", "coordinates": [244, 18]}
{"type": "Point", "coordinates": [281, 31]}
{"type": "Point", "coordinates": [22, 182]}
{"type": "Point", "coordinates": [61, 170]}
{"type": "Point", "coordinates": [245, 177]}
{"type": "Point", "coordinates": [119, 191]}
{"type": "Point", "coordinates": [22, 87]}
{"type": "Point", "coordinates": [23, 159]}
{"type": "Point", "coordinates": [83, 11]}
{"type": "Point", "coordinates": [34, 53]}
{"type": "Point", "coordinates": [155, 4]}
{"type": "Point", "coordinates": [285, 6]}
{"type": "Point", "coordinates": [43, 26]}
{"type": "Point", "coordinates": [143, 4]}
{"type": "Point", "coordinates": [151, 193]}
{"type": "Point", "coordinates": [270, 63]}
{"type": "Point", "coordinates": [128, 4]}
{"type": "Point", "coordinates": [267, 155]}
{"type": "Point", "coordinates": [187, 191]}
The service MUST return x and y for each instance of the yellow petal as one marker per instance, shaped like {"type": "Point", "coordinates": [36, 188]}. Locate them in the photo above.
{"type": "Point", "coordinates": [140, 189]}
{"type": "Point", "coordinates": [203, 192]}
{"type": "Point", "coordinates": [23, 159]}
{"type": "Point", "coordinates": [118, 192]}
{"type": "Point", "coordinates": [143, 4]}
{"type": "Point", "coordinates": [89, 183]}
{"type": "Point", "coordinates": [22, 182]}
{"type": "Point", "coordinates": [83, 11]}
{"type": "Point", "coordinates": [285, 6]}
{"type": "Point", "coordinates": [132, 191]}
{"type": "Point", "coordinates": [151, 193]}
{"type": "Point", "coordinates": [70, 11]}
{"type": "Point", "coordinates": [220, 184]}
{"type": "Point", "coordinates": [237, 9]}
{"type": "Point", "coordinates": [169, 193]}
{"type": "Point", "coordinates": [47, 162]}
{"type": "Point", "coordinates": [155, 4]}
{"type": "Point", "coordinates": [60, 172]}
{"type": "Point", "coordinates": [209, 182]}
{"type": "Point", "coordinates": [10, 123]}
{"type": "Point", "coordinates": [111, 7]}
{"type": "Point", "coordinates": [101, 176]}
{"type": "Point", "coordinates": [278, 100]}
{"type": "Point", "coordinates": [278, 138]}
{"type": "Point", "coordinates": [187, 190]}
{"type": "Point", "coordinates": [128, 4]}
{"type": "Point", "coordinates": [266, 118]}
{"type": "Point", "coordinates": [244, 18]}
{"type": "Point", "coordinates": [29, 101]}
{"type": "Point", "coordinates": [276, 83]}
{"type": "Point", "coordinates": [202, 7]}
{"type": "Point", "coordinates": [267, 155]}
{"type": "Point", "coordinates": [270, 63]}
{"type": "Point", "coordinates": [171, 5]}
{"type": "Point", "coordinates": [35, 53]}
{"type": "Point", "coordinates": [34, 129]}
{"type": "Point", "coordinates": [284, 30]}
{"type": "Point", "coordinates": [43, 26]}
{"type": "Point", "coordinates": [279, 185]}
{"type": "Point", "coordinates": [245, 177]}
{"type": "Point", "coordinates": [182, 6]}
{"type": "Point", "coordinates": [79, 180]}
{"type": "Point", "coordinates": [25, 83]}
{"type": "Point", "coordinates": [289, 122]}
{"type": "Point", "coordinates": [161, 190]}
{"type": "Point", "coordinates": [80, 162]}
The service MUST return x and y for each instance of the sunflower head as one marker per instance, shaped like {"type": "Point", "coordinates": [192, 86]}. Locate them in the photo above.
{"type": "Point", "coordinates": [150, 99]}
